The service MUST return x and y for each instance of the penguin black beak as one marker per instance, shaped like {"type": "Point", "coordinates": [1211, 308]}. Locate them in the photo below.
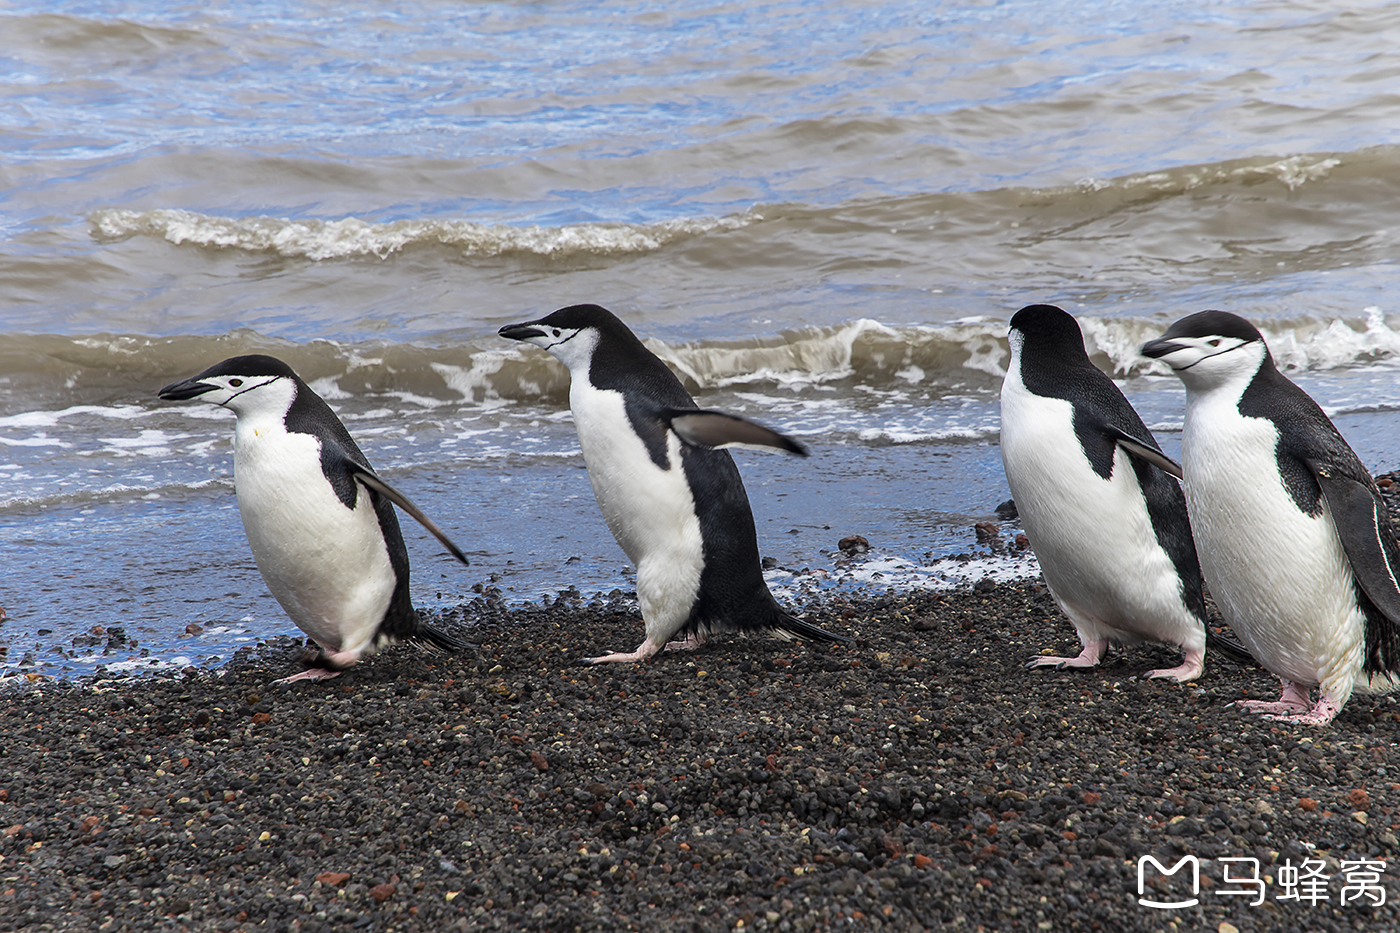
{"type": "Point", "coordinates": [521, 331]}
{"type": "Point", "coordinates": [1156, 349]}
{"type": "Point", "coordinates": [189, 388]}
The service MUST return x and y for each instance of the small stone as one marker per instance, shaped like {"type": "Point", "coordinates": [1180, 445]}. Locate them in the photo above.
{"type": "Point", "coordinates": [1307, 803]}
{"type": "Point", "coordinates": [1359, 799]}
{"type": "Point", "coordinates": [853, 544]}
{"type": "Point", "coordinates": [335, 879]}
{"type": "Point", "coordinates": [382, 892]}
{"type": "Point", "coordinates": [1227, 927]}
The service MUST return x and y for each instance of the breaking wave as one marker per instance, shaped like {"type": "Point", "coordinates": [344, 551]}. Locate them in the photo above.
{"type": "Point", "coordinates": [49, 372]}
{"type": "Point", "coordinates": [351, 237]}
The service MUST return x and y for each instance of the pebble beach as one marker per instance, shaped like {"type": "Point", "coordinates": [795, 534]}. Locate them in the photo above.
{"type": "Point", "coordinates": [917, 779]}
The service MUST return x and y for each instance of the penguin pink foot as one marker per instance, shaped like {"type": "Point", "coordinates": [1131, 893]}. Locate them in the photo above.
{"type": "Point", "coordinates": [1093, 653]}
{"type": "Point", "coordinates": [1322, 714]}
{"type": "Point", "coordinates": [1190, 668]}
{"type": "Point", "coordinates": [645, 650]}
{"type": "Point", "coordinates": [1294, 700]}
{"type": "Point", "coordinates": [312, 673]}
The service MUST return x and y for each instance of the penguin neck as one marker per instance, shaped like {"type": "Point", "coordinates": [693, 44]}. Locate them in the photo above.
{"type": "Point", "coordinates": [1226, 379]}
{"type": "Point", "coordinates": [264, 413]}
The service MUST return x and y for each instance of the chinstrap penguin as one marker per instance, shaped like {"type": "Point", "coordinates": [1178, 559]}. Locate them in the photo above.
{"type": "Point", "coordinates": [672, 499]}
{"type": "Point", "coordinates": [320, 521]}
{"type": "Point", "coordinates": [1106, 520]}
{"type": "Point", "coordinates": [1295, 542]}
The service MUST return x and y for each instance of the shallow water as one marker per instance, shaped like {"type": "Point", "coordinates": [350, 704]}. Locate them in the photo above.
{"type": "Point", "coordinates": [820, 214]}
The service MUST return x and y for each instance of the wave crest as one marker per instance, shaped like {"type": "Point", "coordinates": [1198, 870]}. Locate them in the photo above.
{"type": "Point", "coordinates": [351, 237]}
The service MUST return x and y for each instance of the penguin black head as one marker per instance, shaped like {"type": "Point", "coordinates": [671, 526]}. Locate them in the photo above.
{"type": "Point", "coordinates": [571, 334]}
{"type": "Point", "coordinates": [1051, 333]}
{"type": "Point", "coordinates": [1211, 346]}
{"type": "Point", "coordinates": [238, 383]}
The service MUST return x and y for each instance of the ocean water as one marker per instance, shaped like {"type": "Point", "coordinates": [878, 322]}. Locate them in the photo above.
{"type": "Point", "coordinates": [820, 214]}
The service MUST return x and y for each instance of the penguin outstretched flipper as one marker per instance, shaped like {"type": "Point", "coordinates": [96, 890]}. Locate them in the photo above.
{"type": "Point", "coordinates": [1141, 450]}
{"type": "Point", "coordinates": [711, 429]}
{"type": "Point", "coordinates": [374, 482]}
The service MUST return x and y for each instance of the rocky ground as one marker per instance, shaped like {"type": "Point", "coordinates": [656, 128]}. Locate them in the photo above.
{"type": "Point", "coordinates": [918, 778]}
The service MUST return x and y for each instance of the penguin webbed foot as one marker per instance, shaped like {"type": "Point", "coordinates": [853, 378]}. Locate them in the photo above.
{"type": "Point", "coordinates": [1322, 714]}
{"type": "Point", "coordinates": [311, 673]}
{"type": "Point", "coordinates": [1294, 700]}
{"type": "Point", "coordinates": [644, 651]}
{"type": "Point", "coordinates": [1189, 669]}
{"type": "Point", "coordinates": [1048, 661]}
{"type": "Point", "coordinates": [1092, 654]}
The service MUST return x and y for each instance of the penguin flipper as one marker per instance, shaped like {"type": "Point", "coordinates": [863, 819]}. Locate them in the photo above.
{"type": "Point", "coordinates": [706, 428]}
{"type": "Point", "coordinates": [371, 481]}
{"type": "Point", "coordinates": [1368, 537]}
{"type": "Point", "coordinates": [1135, 447]}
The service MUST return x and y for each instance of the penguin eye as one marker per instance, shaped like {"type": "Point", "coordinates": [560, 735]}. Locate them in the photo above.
{"type": "Point", "coordinates": [235, 382]}
{"type": "Point", "coordinates": [557, 332]}
{"type": "Point", "coordinates": [1213, 343]}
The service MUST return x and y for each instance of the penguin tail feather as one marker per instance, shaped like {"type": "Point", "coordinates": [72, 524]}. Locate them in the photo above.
{"type": "Point", "coordinates": [789, 627]}
{"type": "Point", "coordinates": [1231, 649]}
{"type": "Point", "coordinates": [440, 639]}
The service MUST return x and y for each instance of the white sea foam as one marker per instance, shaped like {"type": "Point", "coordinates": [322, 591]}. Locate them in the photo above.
{"type": "Point", "coordinates": [44, 419]}
{"type": "Point", "coordinates": [901, 573]}
{"type": "Point", "coordinates": [351, 237]}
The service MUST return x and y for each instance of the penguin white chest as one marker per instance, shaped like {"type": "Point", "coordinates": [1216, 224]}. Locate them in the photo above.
{"type": "Point", "coordinates": [1092, 535]}
{"type": "Point", "coordinates": [326, 564]}
{"type": "Point", "coordinates": [649, 509]}
{"type": "Point", "coordinates": [1279, 575]}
